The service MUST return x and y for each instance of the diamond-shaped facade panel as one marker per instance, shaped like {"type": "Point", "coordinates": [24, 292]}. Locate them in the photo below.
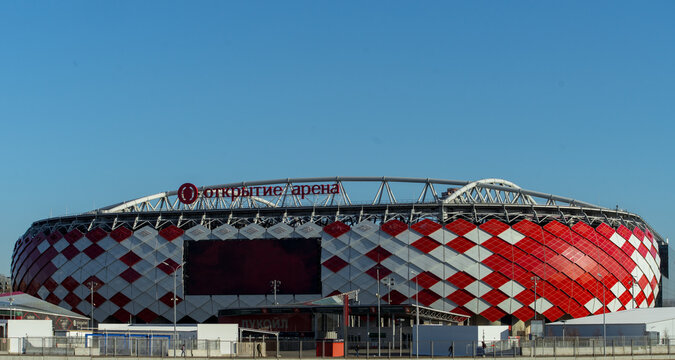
{"type": "Point", "coordinates": [130, 275]}
{"type": "Point", "coordinates": [335, 264]}
{"type": "Point", "coordinates": [280, 231]}
{"type": "Point", "coordinates": [336, 229]}
{"type": "Point", "coordinates": [365, 228]}
{"type": "Point", "coordinates": [252, 231]}
{"type": "Point", "coordinates": [378, 254]}
{"type": "Point", "coordinates": [225, 231]}
{"type": "Point", "coordinates": [120, 234]}
{"type": "Point", "coordinates": [426, 244]}
{"type": "Point", "coordinates": [308, 230]}
{"type": "Point", "coordinates": [426, 227]}
{"type": "Point", "coordinates": [449, 263]}
{"type": "Point", "coordinates": [130, 258]}
{"type": "Point", "coordinates": [394, 227]}
{"type": "Point", "coordinates": [171, 232]}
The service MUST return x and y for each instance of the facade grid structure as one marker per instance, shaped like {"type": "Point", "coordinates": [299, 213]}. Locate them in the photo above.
{"type": "Point", "coordinates": [473, 249]}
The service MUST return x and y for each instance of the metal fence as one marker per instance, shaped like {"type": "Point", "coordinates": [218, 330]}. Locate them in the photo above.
{"type": "Point", "coordinates": [120, 345]}
{"type": "Point", "coordinates": [164, 346]}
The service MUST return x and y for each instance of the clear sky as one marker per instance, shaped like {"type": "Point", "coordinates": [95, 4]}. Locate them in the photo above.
{"type": "Point", "coordinates": [105, 101]}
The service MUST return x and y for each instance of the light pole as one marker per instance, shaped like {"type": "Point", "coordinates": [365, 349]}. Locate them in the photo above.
{"type": "Point", "coordinates": [604, 323]}
{"type": "Point", "coordinates": [379, 323]}
{"type": "Point", "coordinates": [11, 290]}
{"type": "Point", "coordinates": [417, 318]}
{"type": "Point", "coordinates": [390, 282]}
{"type": "Point", "coordinates": [175, 270]}
{"type": "Point", "coordinates": [91, 285]}
{"type": "Point", "coordinates": [275, 287]}
{"type": "Point", "coordinates": [535, 279]}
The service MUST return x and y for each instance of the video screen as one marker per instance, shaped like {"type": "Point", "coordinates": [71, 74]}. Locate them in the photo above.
{"type": "Point", "coordinates": [246, 267]}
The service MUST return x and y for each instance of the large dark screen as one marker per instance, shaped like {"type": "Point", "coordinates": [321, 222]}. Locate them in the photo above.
{"type": "Point", "coordinates": [246, 267]}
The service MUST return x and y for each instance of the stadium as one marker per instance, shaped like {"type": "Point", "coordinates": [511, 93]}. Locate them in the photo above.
{"type": "Point", "coordinates": [486, 250]}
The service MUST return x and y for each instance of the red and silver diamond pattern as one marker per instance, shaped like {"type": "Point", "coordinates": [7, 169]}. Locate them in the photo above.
{"type": "Point", "coordinates": [489, 269]}
{"type": "Point", "coordinates": [458, 266]}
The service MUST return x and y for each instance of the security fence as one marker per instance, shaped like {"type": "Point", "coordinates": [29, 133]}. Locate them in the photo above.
{"type": "Point", "coordinates": [164, 346]}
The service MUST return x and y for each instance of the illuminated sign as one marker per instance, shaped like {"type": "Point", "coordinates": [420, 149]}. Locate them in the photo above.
{"type": "Point", "coordinates": [188, 193]}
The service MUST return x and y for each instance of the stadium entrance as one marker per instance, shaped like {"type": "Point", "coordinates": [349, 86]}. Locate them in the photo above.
{"type": "Point", "coordinates": [321, 322]}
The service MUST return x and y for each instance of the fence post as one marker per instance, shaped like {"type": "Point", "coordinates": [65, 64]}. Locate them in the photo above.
{"type": "Point", "coordinates": [300, 350]}
{"type": "Point", "coordinates": [473, 348]}
{"type": "Point", "coordinates": [389, 349]}
{"type": "Point", "coordinates": [431, 344]}
{"type": "Point", "coordinates": [650, 346]}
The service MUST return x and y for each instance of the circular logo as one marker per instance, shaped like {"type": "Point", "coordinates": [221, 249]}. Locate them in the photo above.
{"type": "Point", "coordinates": [188, 193]}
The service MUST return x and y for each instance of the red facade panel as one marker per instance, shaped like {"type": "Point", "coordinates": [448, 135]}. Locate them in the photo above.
{"type": "Point", "coordinates": [426, 227]}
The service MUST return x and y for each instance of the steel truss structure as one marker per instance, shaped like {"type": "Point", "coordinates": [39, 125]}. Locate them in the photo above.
{"type": "Point", "coordinates": [486, 191]}
{"type": "Point", "coordinates": [476, 201]}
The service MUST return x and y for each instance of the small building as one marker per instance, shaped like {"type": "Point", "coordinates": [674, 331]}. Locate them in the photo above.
{"type": "Point", "coordinates": [23, 334]}
{"type": "Point", "coordinates": [452, 341]}
{"type": "Point", "coordinates": [20, 306]}
{"type": "Point", "coordinates": [190, 338]}
{"type": "Point", "coordinates": [657, 323]}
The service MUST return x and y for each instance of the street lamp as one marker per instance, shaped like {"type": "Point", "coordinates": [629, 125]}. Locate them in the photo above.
{"type": "Point", "coordinates": [175, 270]}
{"type": "Point", "coordinates": [390, 282]}
{"type": "Point", "coordinates": [535, 278]}
{"type": "Point", "coordinates": [275, 287]}
{"type": "Point", "coordinates": [11, 291]}
{"type": "Point", "coordinates": [417, 317]}
{"type": "Point", "coordinates": [91, 285]}
{"type": "Point", "coordinates": [379, 323]}
{"type": "Point", "coordinates": [604, 323]}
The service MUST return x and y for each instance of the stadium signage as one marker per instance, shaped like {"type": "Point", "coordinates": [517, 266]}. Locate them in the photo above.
{"type": "Point", "coordinates": [188, 193]}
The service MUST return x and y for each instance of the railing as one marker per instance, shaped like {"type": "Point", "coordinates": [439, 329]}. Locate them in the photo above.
{"type": "Point", "coordinates": [145, 346]}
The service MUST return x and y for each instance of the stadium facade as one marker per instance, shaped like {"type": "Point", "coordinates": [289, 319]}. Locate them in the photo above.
{"type": "Point", "coordinates": [487, 249]}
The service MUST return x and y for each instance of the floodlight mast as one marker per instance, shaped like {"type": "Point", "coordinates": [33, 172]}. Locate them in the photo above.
{"type": "Point", "coordinates": [175, 270]}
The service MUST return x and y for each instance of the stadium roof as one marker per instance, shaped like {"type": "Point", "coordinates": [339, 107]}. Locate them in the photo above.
{"type": "Point", "coordinates": [21, 302]}
{"type": "Point", "coordinates": [385, 191]}
{"type": "Point", "coordinates": [327, 199]}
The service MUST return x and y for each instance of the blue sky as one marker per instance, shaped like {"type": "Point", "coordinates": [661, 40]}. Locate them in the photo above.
{"type": "Point", "coordinates": [102, 102]}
